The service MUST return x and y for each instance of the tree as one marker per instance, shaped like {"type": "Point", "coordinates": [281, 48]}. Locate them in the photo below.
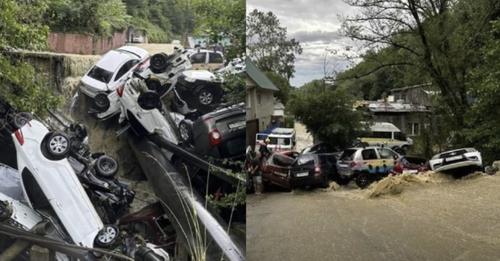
{"type": "Point", "coordinates": [282, 84]}
{"type": "Point", "coordinates": [428, 34]}
{"type": "Point", "coordinates": [220, 19]}
{"type": "Point", "coordinates": [268, 45]}
{"type": "Point", "coordinates": [21, 27]}
{"type": "Point", "coordinates": [327, 112]}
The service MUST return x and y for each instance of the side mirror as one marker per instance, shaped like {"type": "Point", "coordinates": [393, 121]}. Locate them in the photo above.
{"type": "Point", "coordinates": [149, 100]}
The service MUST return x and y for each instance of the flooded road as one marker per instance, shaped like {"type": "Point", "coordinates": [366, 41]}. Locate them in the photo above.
{"type": "Point", "coordinates": [437, 219]}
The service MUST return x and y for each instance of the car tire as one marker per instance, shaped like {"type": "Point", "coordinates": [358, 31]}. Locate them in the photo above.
{"type": "Point", "coordinates": [107, 237]}
{"type": "Point", "coordinates": [20, 119]}
{"type": "Point", "coordinates": [57, 145]}
{"type": "Point", "coordinates": [186, 132]}
{"type": "Point", "coordinates": [106, 166]}
{"type": "Point", "coordinates": [363, 180]}
{"type": "Point", "coordinates": [5, 210]}
{"type": "Point", "coordinates": [158, 63]}
{"type": "Point", "coordinates": [206, 97]}
{"type": "Point", "coordinates": [101, 102]}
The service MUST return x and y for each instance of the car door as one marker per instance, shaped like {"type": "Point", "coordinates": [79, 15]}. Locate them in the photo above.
{"type": "Point", "coordinates": [198, 60]}
{"type": "Point", "coordinates": [122, 75]}
{"type": "Point", "coordinates": [214, 61]}
{"type": "Point", "coordinates": [388, 159]}
{"type": "Point", "coordinates": [371, 161]}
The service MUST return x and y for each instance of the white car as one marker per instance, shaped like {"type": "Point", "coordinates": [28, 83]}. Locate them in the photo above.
{"type": "Point", "coordinates": [206, 59]}
{"type": "Point", "coordinates": [110, 72]}
{"type": "Point", "coordinates": [456, 159]}
{"type": "Point", "coordinates": [51, 186]}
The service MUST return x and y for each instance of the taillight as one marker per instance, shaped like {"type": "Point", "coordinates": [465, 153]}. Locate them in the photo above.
{"type": "Point", "coordinates": [214, 137]}
{"type": "Point", "coordinates": [19, 136]}
{"type": "Point", "coordinates": [353, 164]}
{"type": "Point", "coordinates": [120, 89]}
{"type": "Point", "coordinates": [317, 169]}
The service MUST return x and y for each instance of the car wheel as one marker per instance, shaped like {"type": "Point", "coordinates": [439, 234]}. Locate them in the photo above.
{"type": "Point", "coordinates": [205, 96]}
{"type": "Point", "coordinates": [107, 236]}
{"type": "Point", "coordinates": [57, 145]}
{"type": "Point", "coordinates": [101, 102]}
{"type": "Point", "coordinates": [21, 119]}
{"type": "Point", "coordinates": [185, 132]}
{"type": "Point", "coordinates": [158, 62]}
{"type": "Point", "coordinates": [106, 166]}
{"type": "Point", "coordinates": [5, 210]}
{"type": "Point", "coordinates": [363, 180]}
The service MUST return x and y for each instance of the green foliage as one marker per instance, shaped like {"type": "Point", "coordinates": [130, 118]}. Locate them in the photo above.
{"type": "Point", "coordinates": [101, 17]}
{"type": "Point", "coordinates": [282, 84]}
{"type": "Point", "coordinates": [234, 87]}
{"type": "Point", "coordinates": [327, 112]}
{"type": "Point", "coordinates": [222, 18]}
{"type": "Point", "coordinates": [21, 26]}
{"type": "Point", "coordinates": [268, 45]}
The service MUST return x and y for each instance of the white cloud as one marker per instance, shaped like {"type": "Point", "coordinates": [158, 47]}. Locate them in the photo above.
{"type": "Point", "coordinates": [316, 25]}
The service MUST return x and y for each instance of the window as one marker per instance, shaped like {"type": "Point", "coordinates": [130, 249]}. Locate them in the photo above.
{"type": "Point", "coordinates": [100, 74]}
{"type": "Point", "coordinates": [215, 58]}
{"type": "Point", "coordinates": [369, 154]}
{"type": "Point", "coordinates": [399, 136]}
{"type": "Point", "coordinates": [386, 154]}
{"type": "Point", "coordinates": [305, 159]}
{"type": "Point", "coordinates": [382, 135]}
{"type": "Point", "coordinates": [347, 155]}
{"type": "Point", "coordinates": [198, 58]}
{"type": "Point", "coordinates": [125, 68]}
{"type": "Point", "coordinates": [259, 98]}
{"type": "Point", "coordinates": [413, 129]}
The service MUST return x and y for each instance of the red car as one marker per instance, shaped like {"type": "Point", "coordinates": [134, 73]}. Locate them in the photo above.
{"type": "Point", "coordinates": [276, 169]}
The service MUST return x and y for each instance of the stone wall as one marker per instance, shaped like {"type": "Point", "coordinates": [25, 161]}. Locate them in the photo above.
{"type": "Point", "coordinates": [85, 43]}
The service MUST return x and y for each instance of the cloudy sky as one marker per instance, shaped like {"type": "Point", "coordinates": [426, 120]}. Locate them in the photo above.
{"type": "Point", "coordinates": [315, 24]}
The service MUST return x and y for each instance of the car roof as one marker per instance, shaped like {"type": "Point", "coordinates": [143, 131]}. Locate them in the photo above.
{"type": "Point", "coordinates": [112, 60]}
{"type": "Point", "coordinates": [283, 131]}
{"type": "Point", "coordinates": [384, 127]}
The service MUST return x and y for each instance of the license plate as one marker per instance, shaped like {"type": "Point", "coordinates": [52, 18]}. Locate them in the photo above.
{"type": "Point", "coordinates": [453, 158]}
{"type": "Point", "coordinates": [236, 125]}
{"type": "Point", "coordinates": [302, 174]}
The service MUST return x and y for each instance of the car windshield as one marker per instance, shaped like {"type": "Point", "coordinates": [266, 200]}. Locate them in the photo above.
{"type": "Point", "coordinates": [100, 74]}
{"type": "Point", "coordinates": [347, 154]}
{"type": "Point", "coordinates": [400, 136]}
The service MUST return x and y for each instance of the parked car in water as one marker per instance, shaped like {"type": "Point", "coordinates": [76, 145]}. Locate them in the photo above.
{"type": "Point", "coordinates": [366, 165]}
{"type": "Point", "coordinates": [312, 169]}
{"type": "Point", "coordinates": [206, 59]}
{"type": "Point", "coordinates": [276, 169]}
{"type": "Point", "coordinates": [109, 73]}
{"type": "Point", "coordinates": [457, 159]}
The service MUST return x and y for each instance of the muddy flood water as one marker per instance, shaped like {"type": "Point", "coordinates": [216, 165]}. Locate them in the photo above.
{"type": "Point", "coordinates": [427, 217]}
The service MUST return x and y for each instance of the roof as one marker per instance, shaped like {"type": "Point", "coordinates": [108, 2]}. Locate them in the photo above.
{"type": "Point", "coordinates": [423, 85]}
{"type": "Point", "coordinates": [380, 106]}
{"type": "Point", "coordinates": [384, 127]}
{"type": "Point", "coordinates": [259, 77]}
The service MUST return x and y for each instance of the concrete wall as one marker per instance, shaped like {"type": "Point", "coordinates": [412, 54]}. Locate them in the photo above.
{"type": "Point", "coordinates": [85, 43]}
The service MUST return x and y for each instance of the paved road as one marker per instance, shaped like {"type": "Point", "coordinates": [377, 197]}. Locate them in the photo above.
{"type": "Point", "coordinates": [453, 220]}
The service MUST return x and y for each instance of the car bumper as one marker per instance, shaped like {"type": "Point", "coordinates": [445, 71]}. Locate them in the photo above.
{"type": "Point", "coordinates": [458, 165]}
{"type": "Point", "coordinates": [311, 180]}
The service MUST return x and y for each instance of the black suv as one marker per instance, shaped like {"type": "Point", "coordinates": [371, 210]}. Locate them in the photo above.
{"type": "Point", "coordinates": [218, 134]}
{"type": "Point", "coordinates": [313, 169]}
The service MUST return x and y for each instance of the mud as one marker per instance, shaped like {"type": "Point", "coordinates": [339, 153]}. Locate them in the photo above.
{"type": "Point", "coordinates": [431, 216]}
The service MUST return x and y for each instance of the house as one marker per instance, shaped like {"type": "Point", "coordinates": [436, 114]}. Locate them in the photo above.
{"type": "Point", "coordinates": [260, 100]}
{"type": "Point", "coordinates": [421, 94]}
{"type": "Point", "coordinates": [409, 118]}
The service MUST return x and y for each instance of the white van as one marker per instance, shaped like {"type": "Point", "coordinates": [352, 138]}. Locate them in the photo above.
{"type": "Point", "coordinates": [281, 139]}
{"type": "Point", "coordinates": [386, 134]}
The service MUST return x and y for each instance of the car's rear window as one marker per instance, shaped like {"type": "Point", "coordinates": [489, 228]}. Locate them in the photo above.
{"type": "Point", "coordinates": [305, 159]}
{"type": "Point", "coordinates": [100, 74]}
{"type": "Point", "coordinates": [347, 154]}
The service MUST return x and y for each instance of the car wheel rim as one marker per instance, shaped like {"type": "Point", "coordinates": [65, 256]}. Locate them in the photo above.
{"type": "Point", "coordinates": [107, 165]}
{"type": "Point", "coordinates": [206, 98]}
{"type": "Point", "coordinates": [184, 132]}
{"type": "Point", "coordinates": [108, 235]}
{"type": "Point", "coordinates": [58, 144]}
